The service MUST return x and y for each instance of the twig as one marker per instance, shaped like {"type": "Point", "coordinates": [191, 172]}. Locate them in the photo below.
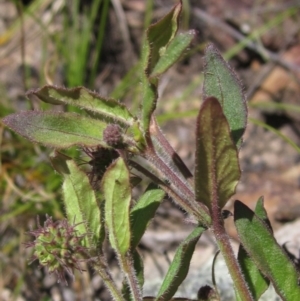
{"type": "Point", "coordinates": [201, 14]}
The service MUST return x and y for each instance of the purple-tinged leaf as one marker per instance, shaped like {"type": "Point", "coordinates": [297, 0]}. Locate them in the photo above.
{"type": "Point", "coordinates": [217, 169]}
{"type": "Point", "coordinates": [57, 129]}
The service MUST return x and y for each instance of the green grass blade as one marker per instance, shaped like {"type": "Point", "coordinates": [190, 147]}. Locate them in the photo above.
{"type": "Point", "coordinates": [271, 106]}
{"type": "Point", "coordinates": [100, 39]}
{"type": "Point", "coordinates": [270, 128]}
{"type": "Point", "coordinates": [255, 34]}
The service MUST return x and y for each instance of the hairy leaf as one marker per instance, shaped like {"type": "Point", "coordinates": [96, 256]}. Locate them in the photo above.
{"type": "Point", "coordinates": [173, 52]}
{"type": "Point", "coordinates": [117, 193]}
{"type": "Point", "coordinates": [143, 211]}
{"type": "Point", "coordinates": [268, 256]}
{"type": "Point", "coordinates": [261, 212]}
{"type": "Point", "coordinates": [158, 36]}
{"type": "Point", "coordinates": [57, 129]}
{"type": "Point", "coordinates": [149, 102]}
{"type": "Point", "coordinates": [179, 266]}
{"type": "Point", "coordinates": [257, 283]}
{"type": "Point", "coordinates": [79, 199]}
{"type": "Point", "coordinates": [217, 169]}
{"type": "Point", "coordinates": [107, 109]}
{"type": "Point", "coordinates": [221, 82]}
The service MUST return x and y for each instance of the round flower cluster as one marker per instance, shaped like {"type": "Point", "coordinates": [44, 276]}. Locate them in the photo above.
{"type": "Point", "coordinates": [58, 247]}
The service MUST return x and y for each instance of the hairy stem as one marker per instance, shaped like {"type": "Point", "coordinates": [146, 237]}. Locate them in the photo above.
{"type": "Point", "coordinates": [128, 269]}
{"type": "Point", "coordinates": [101, 269]}
{"type": "Point", "coordinates": [173, 299]}
{"type": "Point", "coordinates": [165, 186]}
{"type": "Point", "coordinates": [229, 257]}
{"type": "Point", "coordinates": [164, 143]}
{"type": "Point", "coordinates": [186, 196]}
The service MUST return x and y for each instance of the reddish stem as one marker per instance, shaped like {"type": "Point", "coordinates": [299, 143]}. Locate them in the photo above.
{"type": "Point", "coordinates": [227, 252]}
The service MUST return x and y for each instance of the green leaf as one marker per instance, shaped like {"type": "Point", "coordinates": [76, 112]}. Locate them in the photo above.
{"type": "Point", "coordinates": [57, 129]}
{"type": "Point", "coordinates": [143, 211]}
{"type": "Point", "coordinates": [221, 82]}
{"type": "Point", "coordinates": [149, 102]}
{"type": "Point", "coordinates": [158, 36]}
{"type": "Point", "coordinates": [217, 169]}
{"type": "Point", "coordinates": [117, 194]}
{"type": "Point", "coordinates": [261, 212]}
{"type": "Point", "coordinates": [79, 199]}
{"type": "Point", "coordinates": [106, 109]}
{"type": "Point", "coordinates": [268, 256]}
{"type": "Point", "coordinates": [173, 52]}
{"type": "Point", "coordinates": [257, 283]}
{"type": "Point", "coordinates": [179, 266]}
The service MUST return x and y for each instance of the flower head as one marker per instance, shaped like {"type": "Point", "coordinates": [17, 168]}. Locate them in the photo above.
{"type": "Point", "coordinates": [58, 247]}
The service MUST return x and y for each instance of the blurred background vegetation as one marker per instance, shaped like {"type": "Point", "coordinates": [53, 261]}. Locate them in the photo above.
{"type": "Point", "coordinates": [97, 44]}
